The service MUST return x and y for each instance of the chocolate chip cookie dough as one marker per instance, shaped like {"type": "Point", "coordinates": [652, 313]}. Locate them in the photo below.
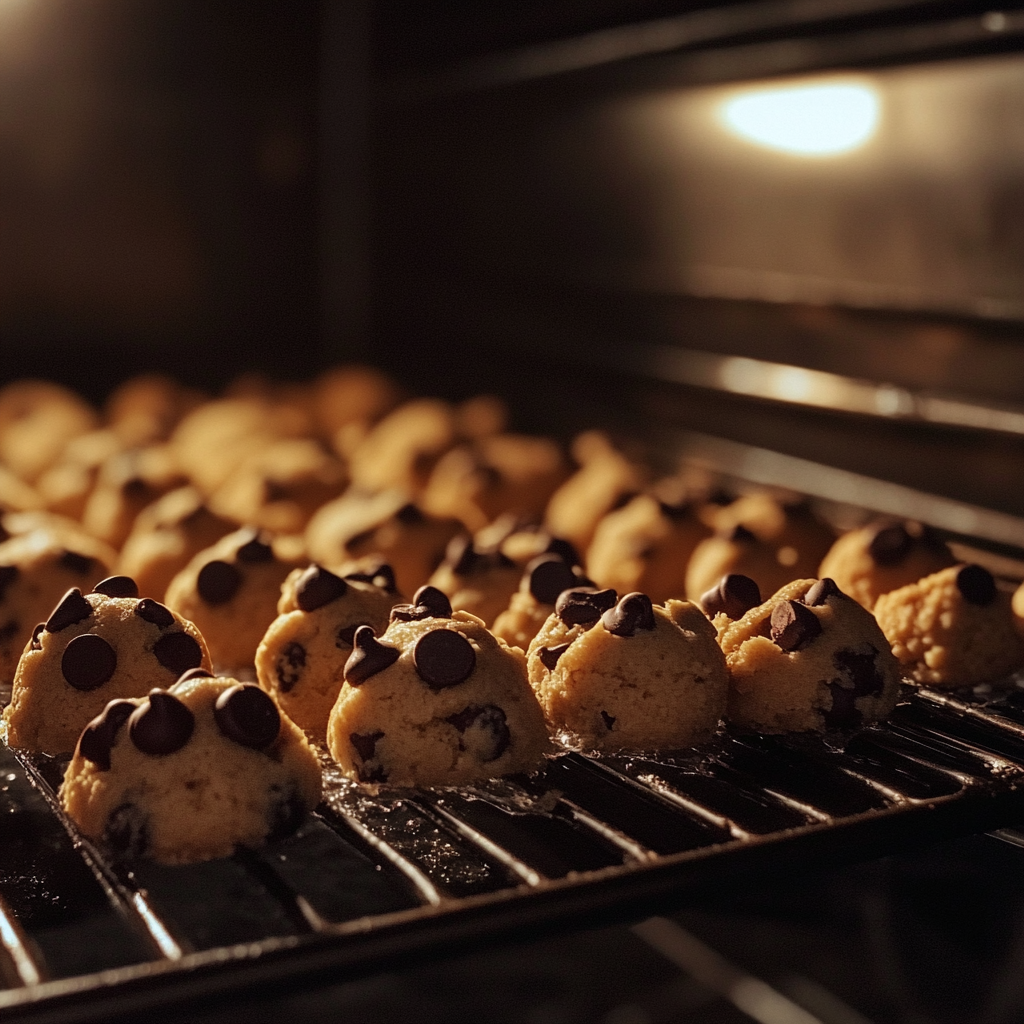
{"type": "Point", "coordinates": [738, 552]}
{"type": "Point", "coordinates": [478, 582]}
{"type": "Point", "coordinates": [953, 628]}
{"type": "Point", "coordinates": [92, 649]}
{"type": "Point", "coordinates": [190, 773]}
{"type": "Point", "coordinates": [808, 659]}
{"type": "Point", "coordinates": [627, 674]}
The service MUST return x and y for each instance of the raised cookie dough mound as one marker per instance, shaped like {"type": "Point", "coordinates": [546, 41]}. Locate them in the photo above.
{"type": "Point", "coordinates": [953, 628]}
{"type": "Point", "coordinates": [739, 552]}
{"type": "Point", "coordinates": [190, 773]}
{"type": "Point", "coordinates": [302, 656]}
{"type": "Point", "coordinates": [478, 582]}
{"type": "Point", "coordinates": [628, 675]}
{"type": "Point", "coordinates": [230, 591]}
{"type": "Point", "coordinates": [92, 649]}
{"type": "Point", "coordinates": [436, 701]}
{"type": "Point", "coordinates": [808, 659]}
{"type": "Point", "coordinates": [884, 556]}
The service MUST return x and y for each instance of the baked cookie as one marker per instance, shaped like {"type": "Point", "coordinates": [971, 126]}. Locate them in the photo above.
{"type": "Point", "coordinates": [387, 526]}
{"type": "Point", "coordinates": [301, 658]}
{"type": "Point", "coordinates": [738, 552]}
{"type": "Point", "coordinates": [953, 628]}
{"type": "Point", "coordinates": [628, 674]}
{"type": "Point", "coordinates": [230, 591]}
{"type": "Point", "coordinates": [808, 659]}
{"type": "Point", "coordinates": [478, 582]}
{"type": "Point", "coordinates": [436, 701]}
{"type": "Point", "coordinates": [92, 649]}
{"type": "Point", "coordinates": [190, 773]}
{"type": "Point", "coordinates": [884, 556]}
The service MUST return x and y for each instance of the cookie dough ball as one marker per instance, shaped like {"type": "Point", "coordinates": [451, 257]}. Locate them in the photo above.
{"type": "Point", "coordinates": [92, 649]}
{"type": "Point", "coordinates": [605, 480]}
{"type": "Point", "coordinates": [16, 495]}
{"type": "Point", "coordinates": [302, 656]}
{"type": "Point", "coordinates": [645, 545]}
{"type": "Point", "coordinates": [65, 487]}
{"type": "Point", "coordinates": [436, 701]}
{"type": "Point", "coordinates": [953, 628]}
{"type": "Point", "coordinates": [523, 542]}
{"type": "Point", "coordinates": [884, 556]}
{"type": "Point", "coordinates": [808, 659]}
{"type": "Point", "coordinates": [190, 773]}
{"type": "Point", "coordinates": [628, 674]}
{"type": "Point", "coordinates": [346, 395]}
{"type": "Point", "coordinates": [478, 582]}
{"type": "Point", "coordinates": [387, 526]}
{"type": "Point", "coordinates": [737, 552]}
{"type": "Point", "coordinates": [36, 569]}
{"type": "Point", "coordinates": [230, 591]}
{"type": "Point", "coordinates": [166, 536]}
{"type": "Point", "coordinates": [546, 577]}
{"type": "Point", "coordinates": [146, 408]}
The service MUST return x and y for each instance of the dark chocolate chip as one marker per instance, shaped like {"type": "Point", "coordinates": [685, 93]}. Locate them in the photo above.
{"type": "Point", "coordinates": [194, 673]}
{"type": "Point", "coordinates": [74, 562]}
{"type": "Point", "coordinates": [365, 743]}
{"type": "Point", "coordinates": [372, 773]}
{"type": "Point", "coordinates": [427, 603]}
{"type": "Point", "coordinates": [162, 725]}
{"type": "Point", "coordinates": [549, 575]}
{"type": "Point", "coordinates": [345, 636]}
{"type": "Point", "coordinates": [256, 550]}
{"type": "Point", "coordinates": [741, 535]}
{"type": "Point", "coordinates": [564, 550]}
{"type": "Point", "coordinates": [635, 611]}
{"type": "Point", "coordinates": [117, 586]}
{"type": "Point", "coordinates": [178, 652]}
{"type": "Point", "coordinates": [443, 657]}
{"type": "Point", "coordinates": [484, 730]}
{"type": "Point", "coordinates": [609, 720]}
{"type": "Point", "coordinates": [35, 644]}
{"type": "Point", "coordinates": [135, 488]}
{"type": "Point", "coordinates": [583, 606]}
{"type": "Point", "coordinates": [218, 582]}
{"type": "Point", "coordinates": [465, 559]}
{"type": "Point", "coordinates": [72, 608]}
{"type": "Point", "coordinates": [860, 674]}
{"type": "Point", "coordinates": [821, 591]}
{"type": "Point", "coordinates": [318, 586]}
{"type": "Point", "coordinates": [677, 513]}
{"type": "Point", "coordinates": [88, 662]}
{"type": "Point", "coordinates": [793, 626]}
{"type": "Point", "coordinates": [98, 736]}
{"type": "Point", "coordinates": [976, 585]}
{"type": "Point", "coordinates": [8, 574]}
{"type": "Point", "coordinates": [291, 663]}
{"type": "Point", "coordinates": [735, 595]}
{"type": "Point", "coordinates": [410, 515]}
{"type": "Point", "coordinates": [127, 831]}
{"type": "Point", "coordinates": [248, 716]}
{"type": "Point", "coordinates": [369, 656]}
{"type": "Point", "coordinates": [285, 813]}
{"type": "Point", "coordinates": [153, 611]}
{"type": "Point", "coordinates": [890, 545]}
{"type": "Point", "coordinates": [383, 577]}
{"type": "Point", "coordinates": [549, 655]}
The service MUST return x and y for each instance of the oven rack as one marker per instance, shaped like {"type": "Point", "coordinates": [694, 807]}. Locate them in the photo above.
{"type": "Point", "coordinates": [372, 879]}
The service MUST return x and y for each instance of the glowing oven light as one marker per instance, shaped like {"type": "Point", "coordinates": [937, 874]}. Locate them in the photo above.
{"type": "Point", "coordinates": [807, 120]}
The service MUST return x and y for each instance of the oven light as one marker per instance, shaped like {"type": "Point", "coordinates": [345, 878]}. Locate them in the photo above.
{"type": "Point", "coordinates": [807, 120]}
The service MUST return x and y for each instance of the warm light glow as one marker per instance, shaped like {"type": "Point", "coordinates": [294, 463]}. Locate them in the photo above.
{"type": "Point", "coordinates": [808, 120]}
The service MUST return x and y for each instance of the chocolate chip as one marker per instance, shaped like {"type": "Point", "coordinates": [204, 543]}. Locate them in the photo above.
{"type": "Point", "coordinates": [564, 550]}
{"type": "Point", "coordinates": [117, 586]}
{"type": "Point", "coordinates": [248, 716]}
{"type": "Point", "coordinates": [860, 673]}
{"type": "Point", "coordinates": [316, 587]}
{"type": "Point", "coordinates": [153, 611]}
{"type": "Point", "coordinates": [890, 545]}
{"type": "Point", "coordinates": [365, 744]}
{"type": "Point", "coordinates": [162, 725]}
{"type": "Point", "coordinates": [821, 591]}
{"type": "Point", "coordinates": [372, 773]}
{"type": "Point", "coordinates": [484, 730]}
{"type": "Point", "coordinates": [98, 736]}
{"type": "Point", "coordinates": [549, 575]}
{"type": "Point", "coordinates": [677, 513]}
{"type": "Point", "coordinates": [635, 611]}
{"type": "Point", "coordinates": [549, 655]}
{"type": "Point", "coordinates": [285, 813]}
{"type": "Point", "coordinates": [135, 488]}
{"type": "Point", "coordinates": [127, 831]}
{"type": "Point", "coordinates": [178, 652]}
{"type": "Point", "coordinates": [443, 657]}
{"type": "Point", "coordinates": [88, 662]}
{"type": "Point", "coordinates": [346, 635]}
{"type": "Point", "coordinates": [383, 577]}
{"type": "Point", "coordinates": [465, 559]}
{"type": "Point", "coordinates": [8, 630]}
{"type": "Point", "coordinates": [8, 574]}
{"type": "Point", "coordinates": [218, 582]}
{"type": "Point", "coordinates": [739, 534]}
{"type": "Point", "coordinates": [74, 562]}
{"type": "Point", "coordinates": [194, 673]}
{"type": "Point", "coordinates": [369, 656]}
{"type": "Point", "coordinates": [290, 665]}
{"type": "Point", "coordinates": [427, 603]}
{"type": "Point", "coordinates": [583, 606]}
{"type": "Point", "coordinates": [72, 608]}
{"type": "Point", "coordinates": [35, 644]}
{"type": "Point", "coordinates": [256, 550]}
{"type": "Point", "coordinates": [793, 626]}
{"type": "Point", "coordinates": [609, 720]}
{"type": "Point", "coordinates": [410, 515]}
{"type": "Point", "coordinates": [976, 585]}
{"type": "Point", "coordinates": [735, 595]}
